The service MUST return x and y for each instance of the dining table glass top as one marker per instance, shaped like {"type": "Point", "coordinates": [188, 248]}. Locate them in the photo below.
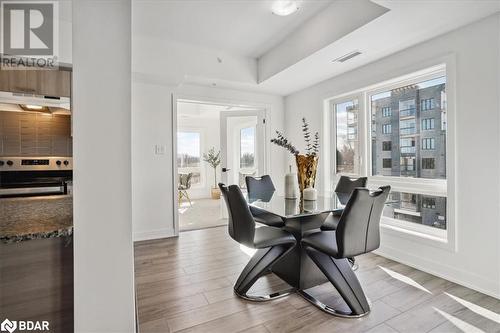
{"type": "Point", "coordinates": [279, 205]}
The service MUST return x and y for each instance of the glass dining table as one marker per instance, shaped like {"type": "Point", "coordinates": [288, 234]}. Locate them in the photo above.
{"type": "Point", "coordinates": [300, 217]}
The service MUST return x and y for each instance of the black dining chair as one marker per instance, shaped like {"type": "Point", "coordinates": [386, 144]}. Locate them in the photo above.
{"type": "Point", "coordinates": [259, 184]}
{"type": "Point", "coordinates": [262, 187]}
{"type": "Point", "coordinates": [358, 232]}
{"type": "Point", "coordinates": [271, 243]}
{"type": "Point", "coordinates": [343, 190]}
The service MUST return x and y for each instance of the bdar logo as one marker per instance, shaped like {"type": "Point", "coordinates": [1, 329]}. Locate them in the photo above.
{"type": "Point", "coordinates": [8, 326]}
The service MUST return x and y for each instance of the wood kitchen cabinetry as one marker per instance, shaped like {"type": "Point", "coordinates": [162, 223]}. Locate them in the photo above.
{"type": "Point", "coordinates": [38, 82]}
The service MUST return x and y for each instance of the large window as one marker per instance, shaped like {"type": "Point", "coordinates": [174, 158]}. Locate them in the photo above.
{"type": "Point", "coordinates": [404, 145]}
{"type": "Point", "coordinates": [189, 155]}
{"type": "Point", "coordinates": [420, 157]}
{"type": "Point", "coordinates": [432, 146]}
{"type": "Point", "coordinates": [347, 142]}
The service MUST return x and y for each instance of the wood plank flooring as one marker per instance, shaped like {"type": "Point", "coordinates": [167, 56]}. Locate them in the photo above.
{"type": "Point", "coordinates": [185, 284]}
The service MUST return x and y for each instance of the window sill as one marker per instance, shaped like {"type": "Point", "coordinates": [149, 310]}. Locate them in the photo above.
{"type": "Point", "coordinates": [435, 238]}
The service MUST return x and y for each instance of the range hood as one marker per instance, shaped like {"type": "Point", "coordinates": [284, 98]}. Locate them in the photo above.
{"type": "Point", "coordinates": [56, 105]}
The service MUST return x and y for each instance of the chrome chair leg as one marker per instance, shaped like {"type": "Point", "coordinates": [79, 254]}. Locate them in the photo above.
{"type": "Point", "coordinates": [258, 266]}
{"type": "Point", "coordinates": [327, 308]}
{"type": "Point", "coordinates": [339, 272]}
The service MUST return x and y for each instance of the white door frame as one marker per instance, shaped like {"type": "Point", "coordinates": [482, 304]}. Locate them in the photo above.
{"type": "Point", "coordinates": [179, 97]}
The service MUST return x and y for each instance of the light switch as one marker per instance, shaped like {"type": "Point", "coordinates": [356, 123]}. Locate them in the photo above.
{"type": "Point", "coordinates": [160, 149]}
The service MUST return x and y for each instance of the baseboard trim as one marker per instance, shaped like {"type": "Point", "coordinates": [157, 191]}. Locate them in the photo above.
{"type": "Point", "coordinates": [153, 234]}
{"type": "Point", "coordinates": [441, 270]}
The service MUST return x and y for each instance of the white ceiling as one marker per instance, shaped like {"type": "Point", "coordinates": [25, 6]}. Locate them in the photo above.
{"type": "Point", "coordinates": [243, 27]}
{"type": "Point", "coordinates": [248, 28]}
{"type": "Point", "coordinates": [407, 23]}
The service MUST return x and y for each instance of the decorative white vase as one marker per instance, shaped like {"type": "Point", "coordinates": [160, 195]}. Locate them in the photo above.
{"type": "Point", "coordinates": [310, 194]}
{"type": "Point", "coordinates": [291, 185]}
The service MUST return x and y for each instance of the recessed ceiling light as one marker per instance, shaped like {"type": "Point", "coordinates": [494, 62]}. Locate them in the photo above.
{"type": "Point", "coordinates": [285, 7]}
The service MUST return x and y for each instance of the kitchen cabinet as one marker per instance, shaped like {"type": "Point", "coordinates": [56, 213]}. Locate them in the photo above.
{"type": "Point", "coordinates": [39, 82]}
{"type": "Point", "coordinates": [4, 80]}
{"type": "Point", "coordinates": [55, 83]}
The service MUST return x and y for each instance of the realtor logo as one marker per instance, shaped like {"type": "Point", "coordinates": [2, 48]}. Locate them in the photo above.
{"type": "Point", "coordinates": [29, 31]}
{"type": "Point", "coordinates": [24, 325]}
{"type": "Point", "coordinates": [8, 326]}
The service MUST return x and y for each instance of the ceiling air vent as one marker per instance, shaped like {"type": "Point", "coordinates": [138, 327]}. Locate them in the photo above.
{"type": "Point", "coordinates": [347, 56]}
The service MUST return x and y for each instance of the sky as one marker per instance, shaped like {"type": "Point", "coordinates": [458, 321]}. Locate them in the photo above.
{"type": "Point", "coordinates": [188, 143]}
{"type": "Point", "coordinates": [247, 137]}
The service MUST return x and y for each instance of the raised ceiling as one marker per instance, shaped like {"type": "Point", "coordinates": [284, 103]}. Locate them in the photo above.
{"type": "Point", "coordinates": [248, 29]}
{"type": "Point", "coordinates": [243, 27]}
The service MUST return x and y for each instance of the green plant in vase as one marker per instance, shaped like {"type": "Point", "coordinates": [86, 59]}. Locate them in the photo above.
{"type": "Point", "coordinates": [213, 159]}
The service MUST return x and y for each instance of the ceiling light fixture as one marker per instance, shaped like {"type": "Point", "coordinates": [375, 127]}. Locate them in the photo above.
{"type": "Point", "coordinates": [285, 7]}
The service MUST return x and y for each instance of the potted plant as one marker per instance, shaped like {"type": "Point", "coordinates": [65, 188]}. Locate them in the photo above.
{"type": "Point", "coordinates": [213, 158]}
{"type": "Point", "coordinates": [307, 163]}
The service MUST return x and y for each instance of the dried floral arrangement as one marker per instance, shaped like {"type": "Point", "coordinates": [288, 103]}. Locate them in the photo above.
{"type": "Point", "coordinates": [312, 143]}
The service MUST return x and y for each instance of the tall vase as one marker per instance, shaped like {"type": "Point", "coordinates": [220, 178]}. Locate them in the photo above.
{"type": "Point", "coordinates": [307, 166]}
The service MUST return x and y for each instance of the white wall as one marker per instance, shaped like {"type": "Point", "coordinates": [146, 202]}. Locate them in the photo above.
{"type": "Point", "coordinates": [152, 210]}
{"type": "Point", "coordinates": [103, 252]}
{"type": "Point", "coordinates": [475, 48]}
{"type": "Point", "coordinates": [209, 128]}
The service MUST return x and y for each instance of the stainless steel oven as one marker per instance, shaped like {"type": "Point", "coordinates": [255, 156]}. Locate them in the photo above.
{"type": "Point", "coordinates": [35, 176]}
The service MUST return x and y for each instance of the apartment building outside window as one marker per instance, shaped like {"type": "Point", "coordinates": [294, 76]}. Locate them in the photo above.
{"type": "Point", "coordinates": [403, 147]}
{"type": "Point", "coordinates": [345, 116]}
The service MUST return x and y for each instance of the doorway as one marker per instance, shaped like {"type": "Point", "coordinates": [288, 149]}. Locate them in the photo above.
{"type": "Point", "coordinates": [215, 143]}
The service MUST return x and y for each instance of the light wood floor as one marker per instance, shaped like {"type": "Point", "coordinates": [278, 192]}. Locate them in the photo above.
{"type": "Point", "coordinates": [185, 284]}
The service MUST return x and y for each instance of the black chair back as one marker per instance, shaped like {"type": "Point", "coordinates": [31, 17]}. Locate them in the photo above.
{"type": "Point", "coordinates": [241, 224]}
{"type": "Point", "coordinates": [346, 185]}
{"type": "Point", "coordinates": [358, 231]}
{"type": "Point", "coordinates": [259, 184]}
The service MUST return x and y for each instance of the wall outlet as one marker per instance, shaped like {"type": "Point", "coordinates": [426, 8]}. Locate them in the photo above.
{"type": "Point", "coordinates": [160, 149]}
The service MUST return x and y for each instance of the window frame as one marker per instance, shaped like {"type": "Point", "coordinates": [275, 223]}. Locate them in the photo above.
{"type": "Point", "coordinates": [425, 186]}
{"type": "Point", "coordinates": [332, 116]}
{"type": "Point", "coordinates": [445, 66]}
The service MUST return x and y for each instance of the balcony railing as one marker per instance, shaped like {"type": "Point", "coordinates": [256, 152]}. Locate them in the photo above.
{"type": "Point", "coordinates": [408, 150]}
{"type": "Point", "coordinates": [407, 112]}
{"type": "Point", "coordinates": [407, 130]}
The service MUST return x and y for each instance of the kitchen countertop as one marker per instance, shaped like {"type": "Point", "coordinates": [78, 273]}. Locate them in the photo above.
{"type": "Point", "coordinates": [35, 217]}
